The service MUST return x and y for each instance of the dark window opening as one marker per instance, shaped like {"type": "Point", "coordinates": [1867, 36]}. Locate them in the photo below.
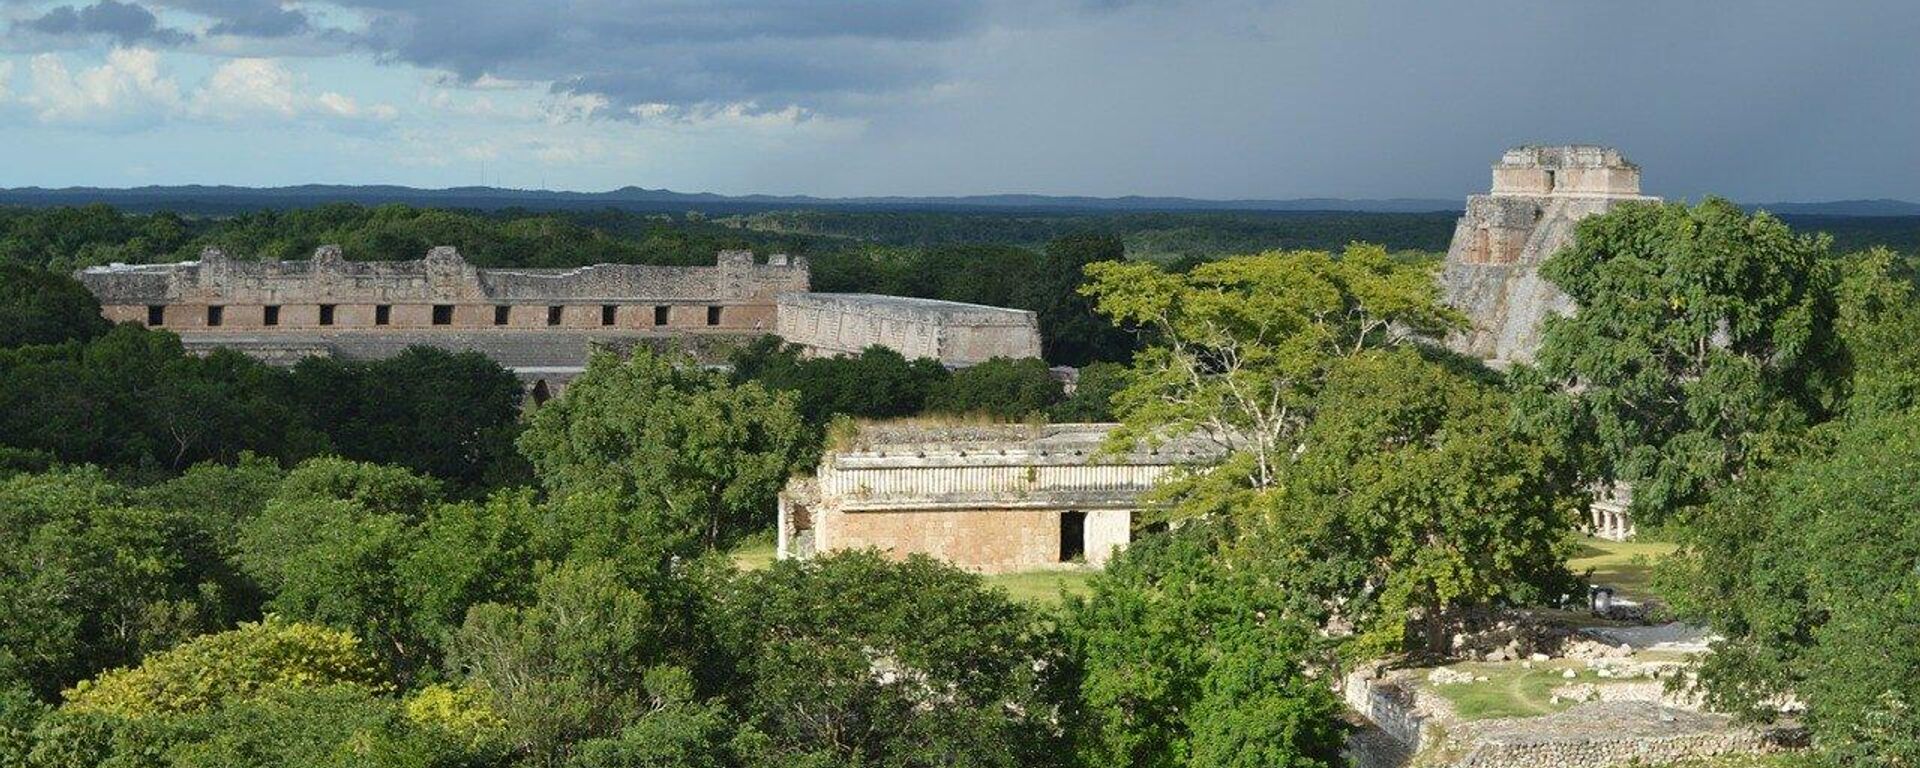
{"type": "Point", "coordinates": [501, 313]}
{"type": "Point", "coordinates": [553, 315]}
{"type": "Point", "coordinates": [215, 315]}
{"type": "Point", "coordinates": [383, 314]}
{"type": "Point", "coordinates": [713, 315]}
{"type": "Point", "coordinates": [659, 315]}
{"type": "Point", "coordinates": [326, 314]}
{"type": "Point", "coordinates": [607, 314]}
{"type": "Point", "coordinates": [541, 393]}
{"type": "Point", "coordinates": [443, 314]}
{"type": "Point", "coordinates": [270, 314]}
{"type": "Point", "coordinates": [156, 314]}
{"type": "Point", "coordinates": [1073, 536]}
{"type": "Point", "coordinates": [1552, 178]}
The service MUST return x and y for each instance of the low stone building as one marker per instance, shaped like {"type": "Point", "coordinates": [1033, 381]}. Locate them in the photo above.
{"type": "Point", "coordinates": [991, 498]}
{"type": "Point", "coordinates": [1493, 265]}
{"type": "Point", "coordinates": [954, 333]}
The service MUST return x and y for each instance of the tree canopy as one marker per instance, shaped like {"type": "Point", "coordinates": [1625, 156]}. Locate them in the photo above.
{"type": "Point", "coordinates": [696, 459]}
{"type": "Point", "coordinates": [1705, 336]}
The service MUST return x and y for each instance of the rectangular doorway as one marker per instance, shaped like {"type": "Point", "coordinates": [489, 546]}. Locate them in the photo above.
{"type": "Point", "coordinates": [1073, 536]}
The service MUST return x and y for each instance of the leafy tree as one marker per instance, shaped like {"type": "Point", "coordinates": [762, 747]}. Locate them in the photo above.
{"type": "Point", "coordinates": [333, 726]}
{"type": "Point", "coordinates": [1704, 336]}
{"type": "Point", "coordinates": [447, 414]}
{"type": "Point", "coordinates": [20, 714]}
{"type": "Point", "coordinates": [133, 398]}
{"type": "Point", "coordinates": [207, 671]}
{"type": "Point", "coordinates": [851, 659]}
{"type": "Point", "coordinates": [1811, 571]}
{"type": "Point", "coordinates": [1877, 318]}
{"type": "Point", "coordinates": [1244, 344]}
{"type": "Point", "coordinates": [319, 495]}
{"type": "Point", "coordinates": [41, 307]}
{"type": "Point", "coordinates": [1185, 661]}
{"type": "Point", "coordinates": [1092, 398]}
{"type": "Point", "coordinates": [1002, 387]}
{"type": "Point", "coordinates": [1070, 332]}
{"type": "Point", "coordinates": [878, 383]}
{"type": "Point", "coordinates": [89, 580]}
{"type": "Point", "coordinates": [1413, 498]}
{"type": "Point", "coordinates": [467, 554]}
{"type": "Point", "coordinates": [675, 732]}
{"type": "Point", "coordinates": [281, 726]}
{"type": "Point", "coordinates": [346, 576]}
{"type": "Point", "coordinates": [696, 460]}
{"type": "Point", "coordinates": [569, 667]}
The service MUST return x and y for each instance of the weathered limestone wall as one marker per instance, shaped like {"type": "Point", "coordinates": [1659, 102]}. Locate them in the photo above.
{"type": "Point", "coordinates": [951, 332]}
{"type": "Point", "coordinates": [987, 541]}
{"type": "Point", "coordinates": [1492, 269]}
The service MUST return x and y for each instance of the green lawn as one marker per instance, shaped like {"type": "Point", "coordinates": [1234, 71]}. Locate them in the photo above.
{"type": "Point", "coordinates": [1043, 588]}
{"type": "Point", "coordinates": [754, 552]}
{"type": "Point", "coordinates": [1627, 566]}
{"type": "Point", "coordinates": [1511, 690]}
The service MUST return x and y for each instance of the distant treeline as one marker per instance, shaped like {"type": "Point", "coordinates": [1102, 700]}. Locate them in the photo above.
{"type": "Point", "coordinates": [1158, 236]}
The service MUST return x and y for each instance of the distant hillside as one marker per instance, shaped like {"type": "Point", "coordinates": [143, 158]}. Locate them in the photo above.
{"type": "Point", "coordinates": [226, 199]}
{"type": "Point", "coordinates": [216, 200]}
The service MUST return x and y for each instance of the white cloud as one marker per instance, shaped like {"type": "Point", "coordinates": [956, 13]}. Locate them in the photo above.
{"type": "Point", "coordinates": [6, 79]}
{"type": "Point", "coordinates": [346, 107]}
{"type": "Point", "coordinates": [243, 89]}
{"type": "Point", "coordinates": [248, 88]}
{"type": "Point", "coordinates": [128, 88]}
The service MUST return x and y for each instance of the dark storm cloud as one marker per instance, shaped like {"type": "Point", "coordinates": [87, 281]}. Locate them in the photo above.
{"type": "Point", "coordinates": [126, 23]}
{"type": "Point", "coordinates": [248, 18]}
{"type": "Point", "coordinates": [772, 52]}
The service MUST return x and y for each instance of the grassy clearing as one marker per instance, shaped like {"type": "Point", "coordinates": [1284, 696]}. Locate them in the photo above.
{"type": "Point", "coordinates": [754, 552]}
{"type": "Point", "coordinates": [1627, 566]}
{"type": "Point", "coordinates": [1043, 588]}
{"type": "Point", "coordinates": [1512, 690]}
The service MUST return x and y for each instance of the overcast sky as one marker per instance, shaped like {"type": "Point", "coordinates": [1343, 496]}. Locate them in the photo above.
{"type": "Point", "coordinates": [1759, 101]}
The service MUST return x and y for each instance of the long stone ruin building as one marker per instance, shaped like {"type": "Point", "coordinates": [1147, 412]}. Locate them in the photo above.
{"type": "Point", "coordinates": [995, 498]}
{"type": "Point", "coordinates": [1493, 266]}
{"type": "Point", "coordinates": [541, 323]}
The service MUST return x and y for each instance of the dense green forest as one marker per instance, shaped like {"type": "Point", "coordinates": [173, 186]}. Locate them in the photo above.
{"type": "Point", "coordinates": [207, 561]}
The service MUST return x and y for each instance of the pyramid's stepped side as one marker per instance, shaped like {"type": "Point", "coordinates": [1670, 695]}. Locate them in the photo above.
{"type": "Point", "coordinates": [1493, 265]}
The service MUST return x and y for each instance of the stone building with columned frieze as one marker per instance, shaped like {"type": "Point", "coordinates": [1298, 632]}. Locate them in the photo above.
{"type": "Point", "coordinates": [987, 498]}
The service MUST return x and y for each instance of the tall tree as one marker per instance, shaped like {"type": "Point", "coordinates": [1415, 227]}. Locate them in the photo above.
{"type": "Point", "coordinates": [1242, 345]}
{"type": "Point", "coordinates": [1185, 661]}
{"type": "Point", "coordinates": [41, 307]}
{"type": "Point", "coordinates": [851, 659]}
{"type": "Point", "coordinates": [1811, 571]}
{"type": "Point", "coordinates": [696, 460]}
{"type": "Point", "coordinates": [1704, 335]}
{"type": "Point", "coordinates": [1071, 332]}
